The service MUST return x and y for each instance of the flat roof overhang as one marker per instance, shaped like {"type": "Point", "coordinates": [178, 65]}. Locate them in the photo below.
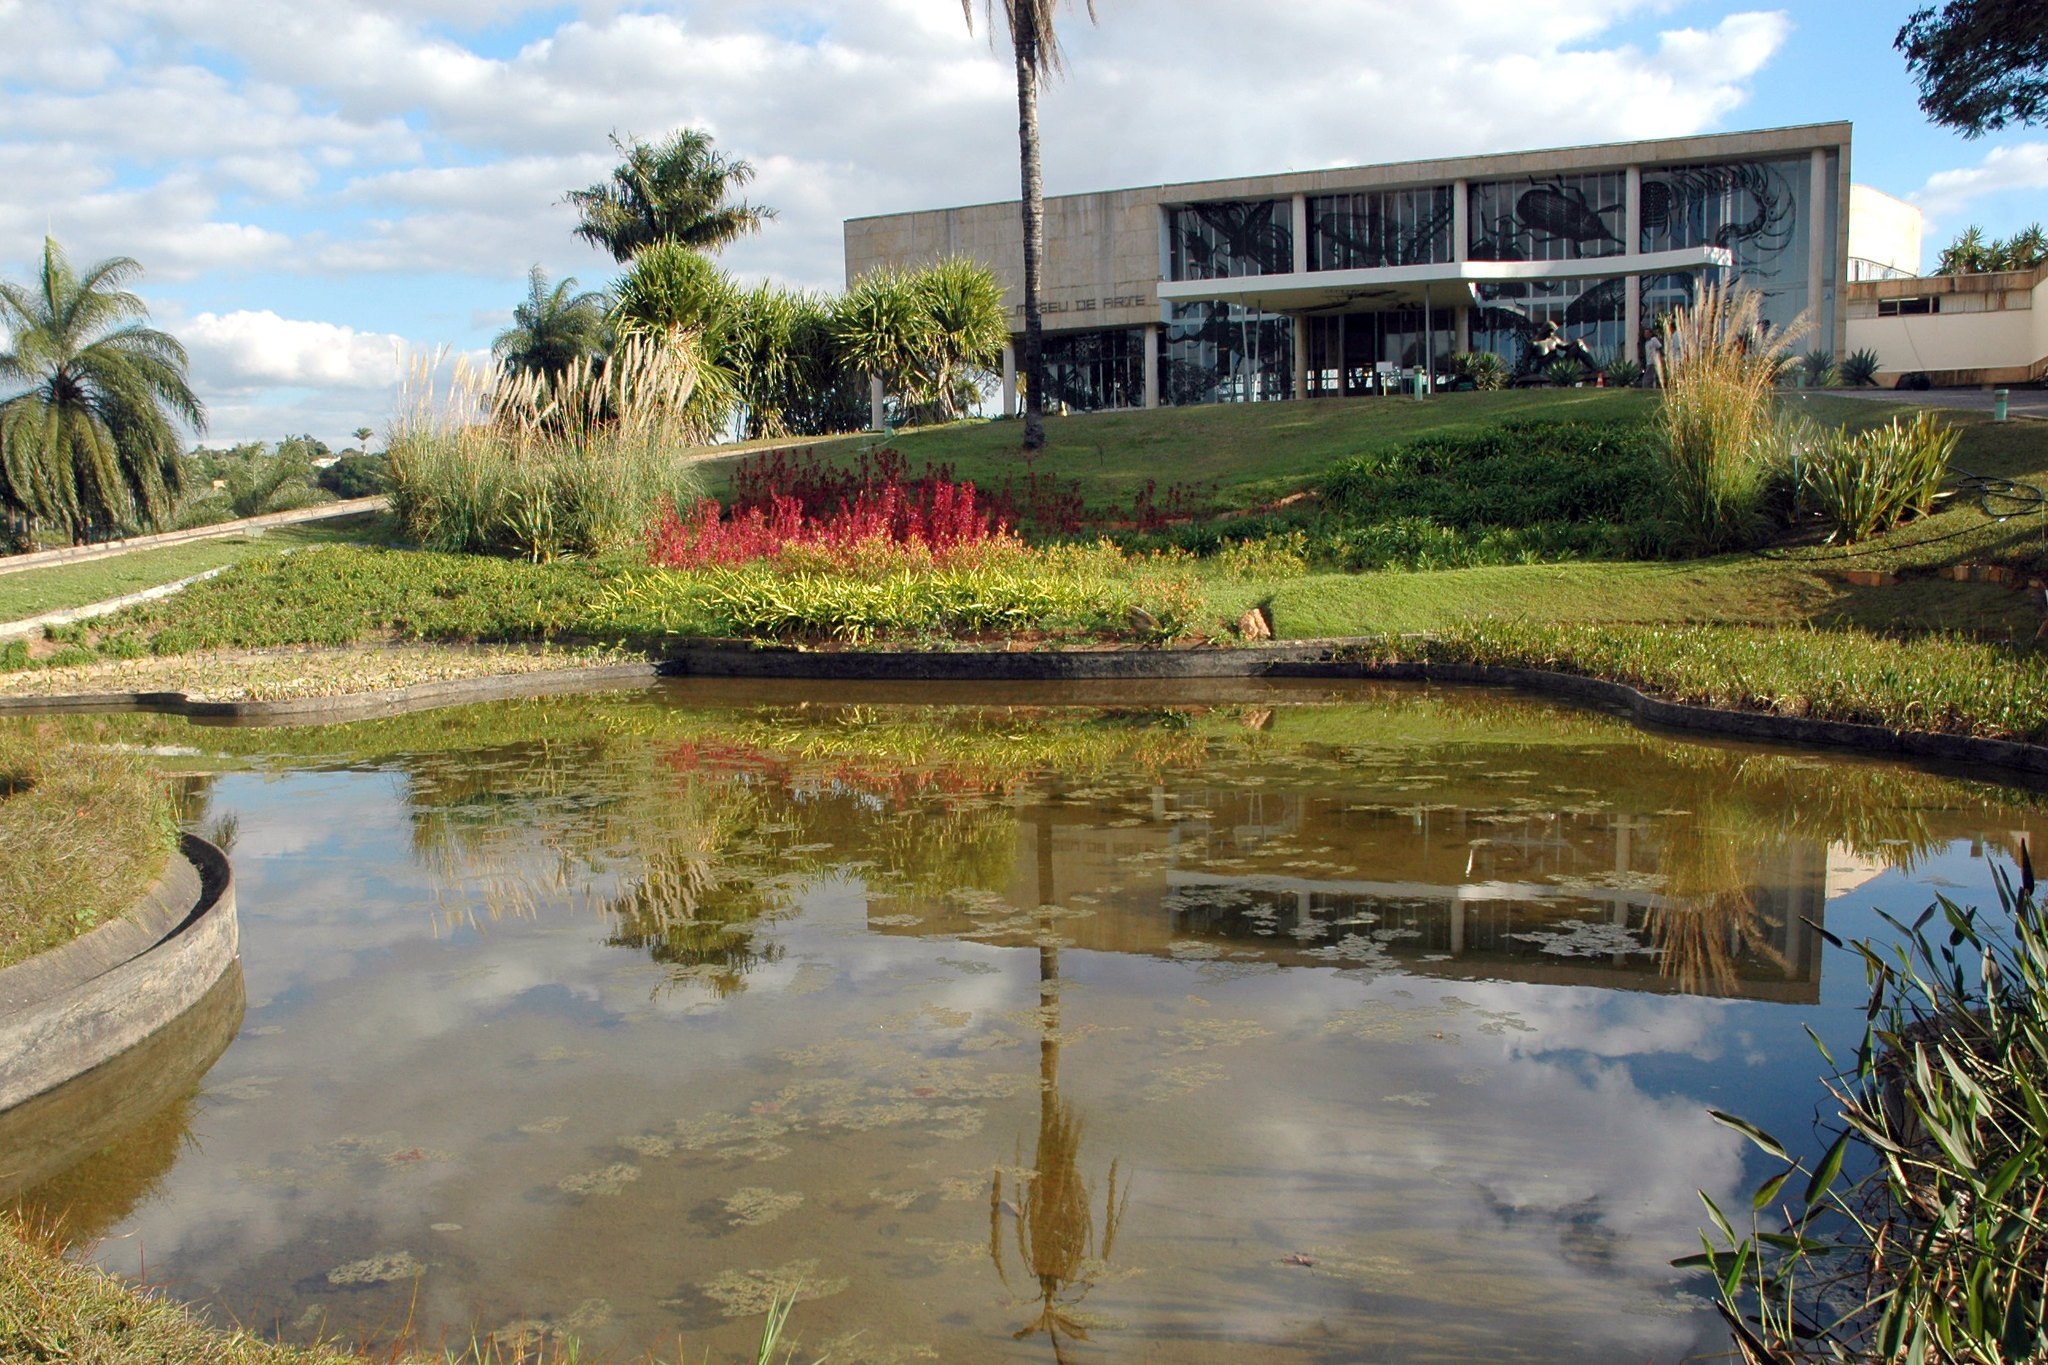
{"type": "Point", "coordinates": [1406, 286]}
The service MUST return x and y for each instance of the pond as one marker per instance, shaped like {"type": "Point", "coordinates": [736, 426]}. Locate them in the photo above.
{"type": "Point", "coordinates": [1258, 1022]}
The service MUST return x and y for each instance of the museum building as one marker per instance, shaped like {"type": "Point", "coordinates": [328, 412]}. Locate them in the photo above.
{"type": "Point", "coordinates": [1324, 283]}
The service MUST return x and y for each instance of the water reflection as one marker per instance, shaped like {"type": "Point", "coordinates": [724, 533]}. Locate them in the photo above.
{"type": "Point", "coordinates": [1048, 1210]}
{"type": "Point", "coordinates": [1368, 1024]}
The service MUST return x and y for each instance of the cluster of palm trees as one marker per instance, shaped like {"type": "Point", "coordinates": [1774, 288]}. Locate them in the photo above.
{"type": "Point", "coordinates": [769, 361]}
{"type": "Point", "coordinates": [1973, 253]}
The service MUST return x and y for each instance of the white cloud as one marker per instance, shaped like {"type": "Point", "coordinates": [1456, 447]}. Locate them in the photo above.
{"type": "Point", "coordinates": [247, 350]}
{"type": "Point", "coordinates": [222, 141]}
{"type": "Point", "coordinates": [1948, 195]}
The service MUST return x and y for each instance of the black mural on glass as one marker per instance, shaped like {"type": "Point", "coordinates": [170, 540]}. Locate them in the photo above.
{"type": "Point", "coordinates": [1565, 218]}
{"type": "Point", "coordinates": [1368, 231]}
{"type": "Point", "coordinates": [1231, 238]}
{"type": "Point", "coordinates": [1091, 371]}
{"type": "Point", "coordinates": [1215, 353]}
{"type": "Point", "coordinates": [1750, 209]}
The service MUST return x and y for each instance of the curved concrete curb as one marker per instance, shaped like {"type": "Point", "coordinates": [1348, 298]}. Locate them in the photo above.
{"type": "Point", "coordinates": [56, 1130]}
{"type": "Point", "coordinates": [1317, 659]}
{"type": "Point", "coordinates": [66, 1011]}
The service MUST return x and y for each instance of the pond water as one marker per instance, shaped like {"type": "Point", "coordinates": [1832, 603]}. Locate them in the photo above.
{"type": "Point", "coordinates": [1275, 1023]}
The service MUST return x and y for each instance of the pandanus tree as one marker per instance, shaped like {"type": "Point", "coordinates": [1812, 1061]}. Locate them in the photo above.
{"type": "Point", "coordinates": [89, 436]}
{"type": "Point", "coordinates": [1036, 46]}
{"type": "Point", "coordinates": [678, 190]}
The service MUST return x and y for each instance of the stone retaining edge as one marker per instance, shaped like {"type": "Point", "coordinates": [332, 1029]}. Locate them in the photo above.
{"type": "Point", "coordinates": [1312, 659]}
{"type": "Point", "coordinates": [69, 1032]}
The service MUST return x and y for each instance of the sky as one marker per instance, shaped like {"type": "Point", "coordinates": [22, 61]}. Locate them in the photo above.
{"type": "Point", "coordinates": [316, 188]}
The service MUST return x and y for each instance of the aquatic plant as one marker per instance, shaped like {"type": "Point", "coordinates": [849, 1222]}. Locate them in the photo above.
{"type": "Point", "coordinates": [1921, 1234]}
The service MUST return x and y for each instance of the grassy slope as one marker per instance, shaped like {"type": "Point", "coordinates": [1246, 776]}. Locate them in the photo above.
{"type": "Point", "coordinates": [83, 832]}
{"type": "Point", "coordinates": [32, 592]}
{"type": "Point", "coordinates": [1796, 585]}
{"type": "Point", "coordinates": [1253, 451]}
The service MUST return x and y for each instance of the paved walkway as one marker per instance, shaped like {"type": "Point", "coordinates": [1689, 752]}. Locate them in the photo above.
{"type": "Point", "coordinates": [2022, 402]}
{"type": "Point", "coordinates": [79, 554]}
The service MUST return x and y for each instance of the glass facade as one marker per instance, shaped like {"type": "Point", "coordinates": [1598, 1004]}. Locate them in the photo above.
{"type": "Point", "coordinates": [1554, 218]}
{"type": "Point", "coordinates": [1756, 209]}
{"type": "Point", "coordinates": [1507, 315]}
{"type": "Point", "coordinates": [1219, 353]}
{"type": "Point", "coordinates": [1090, 371]}
{"type": "Point", "coordinates": [1394, 227]}
{"type": "Point", "coordinates": [1345, 349]}
{"type": "Point", "coordinates": [1230, 238]}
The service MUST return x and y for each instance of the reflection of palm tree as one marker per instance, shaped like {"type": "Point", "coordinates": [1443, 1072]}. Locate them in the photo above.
{"type": "Point", "coordinates": [1055, 1227]}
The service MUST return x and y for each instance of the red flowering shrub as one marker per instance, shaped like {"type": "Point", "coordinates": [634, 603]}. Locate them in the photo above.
{"type": "Point", "coordinates": [934, 518]}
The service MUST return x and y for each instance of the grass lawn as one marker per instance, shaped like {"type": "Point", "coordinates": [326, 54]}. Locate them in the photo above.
{"type": "Point", "coordinates": [83, 832]}
{"type": "Point", "coordinates": [1253, 452]}
{"type": "Point", "coordinates": [31, 592]}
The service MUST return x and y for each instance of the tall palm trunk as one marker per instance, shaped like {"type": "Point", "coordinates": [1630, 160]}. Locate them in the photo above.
{"type": "Point", "coordinates": [1034, 240]}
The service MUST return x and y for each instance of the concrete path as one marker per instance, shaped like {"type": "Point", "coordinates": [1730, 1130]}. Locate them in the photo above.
{"type": "Point", "coordinates": [2021, 403]}
{"type": "Point", "coordinates": [11, 630]}
{"type": "Point", "coordinates": [79, 554]}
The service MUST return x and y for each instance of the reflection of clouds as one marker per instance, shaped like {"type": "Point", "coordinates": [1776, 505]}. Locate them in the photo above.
{"type": "Point", "coordinates": [1532, 1203]}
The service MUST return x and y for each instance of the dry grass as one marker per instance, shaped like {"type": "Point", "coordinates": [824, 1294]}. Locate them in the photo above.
{"type": "Point", "coordinates": [83, 832]}
{"type": "Point", "coordinates": [53, 1310]}
{"type": "Point", "coordinates": [277, 674]}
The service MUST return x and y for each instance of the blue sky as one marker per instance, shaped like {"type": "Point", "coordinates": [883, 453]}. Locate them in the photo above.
{"type": "Point", "coordinates": [313, 186]}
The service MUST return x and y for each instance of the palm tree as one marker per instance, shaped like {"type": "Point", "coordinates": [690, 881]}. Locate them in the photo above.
{"type": "Point", "coordinates": [553, 329]}
{"type": "Point", "coordinates": [677, 191]}
{"type": "Point", "coordinates": [1037, 49]}
{"type": "Point", "coordinates": [363, 435]}
{"type": "Point", "coordinates": [90, 439]}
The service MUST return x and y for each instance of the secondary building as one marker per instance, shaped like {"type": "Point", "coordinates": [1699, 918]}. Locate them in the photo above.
{"type": "Point", "coordinates": [1332, 282]}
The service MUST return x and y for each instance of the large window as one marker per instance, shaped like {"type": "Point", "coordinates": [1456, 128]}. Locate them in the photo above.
{"type": "Point", "coordinates": [1344, 349]}
{"type": "Point", "coordinates": [1089, 371]}
{"type": "Point", "coordinates": [1755, 209]}
{"type": "Point", "coordinates": [1554, 218]}
{"type": "Point", "coordinates": [1393, 227]}
{"type": "Point", "coordinates": [1508, 315]}
{"type": "Point", "coordinates": [1217, 353]}
{"type": "Point", "coordinates": [1230, 238]}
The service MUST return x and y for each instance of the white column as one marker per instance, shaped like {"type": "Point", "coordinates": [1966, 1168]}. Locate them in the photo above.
{"type": "Point", "coordinates": [1300, 356]}
{"type": "Point", "coordinates": [1632, 296]}
{"type": "Point", "coordinates": [1464, 315]}
{"type": "Point", "coordinates": [1461, 240]}
{"type": "Point", "coordinates": [875, 418]}
{"type": "Point", "coordinates": [1819, 241]}
{"type": "Point", "coordinates": [1009, 380]}
{"type": "Point", "coordinates": [1301, 234]}
{"type": "Point", "coordinates": [1152, 365]}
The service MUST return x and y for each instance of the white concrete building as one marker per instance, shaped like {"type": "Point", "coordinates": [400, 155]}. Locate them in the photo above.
{"type": "Point", "coordinates": [1321, 282]}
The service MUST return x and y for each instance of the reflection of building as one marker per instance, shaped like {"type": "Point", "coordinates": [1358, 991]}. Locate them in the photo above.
{"type": "Point", "coordinates": [1562, 898]}
{"type": "Point", "coordinates": [1321, 282]}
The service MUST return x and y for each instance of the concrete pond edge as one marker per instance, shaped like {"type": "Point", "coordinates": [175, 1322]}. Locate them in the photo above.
{"type": "Point", "coordinates": [1333, 659]}
{"type": "Point", "coordinates": [69, 1010]}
